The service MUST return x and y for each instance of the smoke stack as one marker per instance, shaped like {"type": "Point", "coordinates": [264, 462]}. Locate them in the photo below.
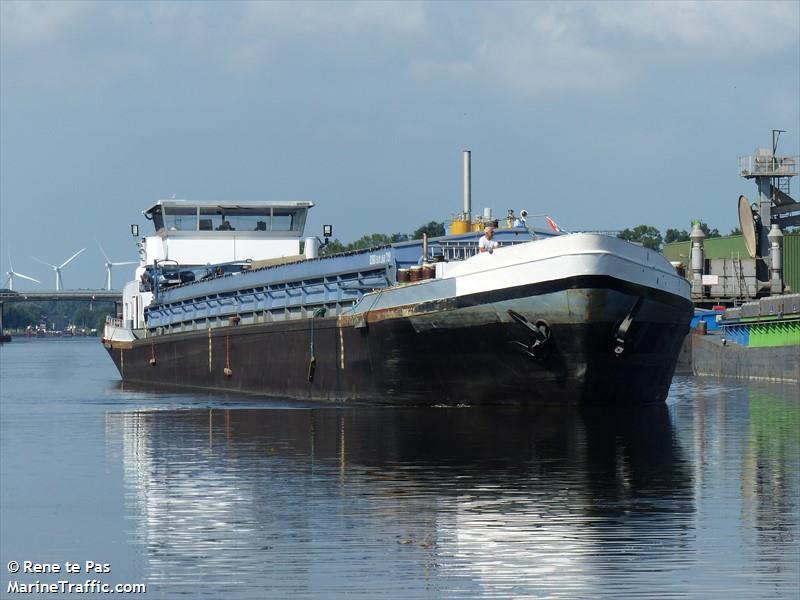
{"type": "Point", "coordinates": [467, 186]}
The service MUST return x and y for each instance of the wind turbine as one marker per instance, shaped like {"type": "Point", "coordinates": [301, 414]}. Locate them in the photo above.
{"type": "Point", "coordinates": [59, 282]}
{"type": "Point", "coordinates": [110, 265]}
{"type": "Point", "coordinates": [11, 273]}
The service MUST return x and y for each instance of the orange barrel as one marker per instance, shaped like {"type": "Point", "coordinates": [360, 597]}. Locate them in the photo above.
{"type": "Point", "coordinates": [403, 276]}
{"type": "Point", "coordinates": [428, 271]}
{"type": "Point", "coordinates": [416, 273]}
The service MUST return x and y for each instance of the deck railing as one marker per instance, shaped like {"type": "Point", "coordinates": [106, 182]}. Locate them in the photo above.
{"type": "Point", "coordinates": [768, 166]}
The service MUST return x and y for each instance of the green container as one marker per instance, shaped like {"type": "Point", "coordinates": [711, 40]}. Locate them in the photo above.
{"type": "Point", "coordinates": [771, 334]}
{"type": "Point", "coordinates": [757, 336]}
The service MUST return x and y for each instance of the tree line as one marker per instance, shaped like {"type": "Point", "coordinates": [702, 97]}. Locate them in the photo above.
{"type": "Point", "coordinates": [432, 229]}
{"type": "Point", "coordinates": [650, 237]}
{"type": "Point", "coordinates": [56, 314]}
{"type": "Point", "coordinates": [647, 235]}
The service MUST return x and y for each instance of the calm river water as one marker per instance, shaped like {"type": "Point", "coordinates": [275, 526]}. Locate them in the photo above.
{"type": "Point", "coordinates": [201, 495]}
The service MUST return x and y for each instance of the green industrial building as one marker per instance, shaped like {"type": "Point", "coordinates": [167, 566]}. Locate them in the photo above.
{"type": "Point", "coordinates": [733, 247]}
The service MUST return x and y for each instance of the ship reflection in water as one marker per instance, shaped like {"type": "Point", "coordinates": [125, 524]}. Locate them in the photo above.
{"type": "Point", "coordinates": [464, 502]}
{"type": "Point", "coordinates": [200, 495]}
{"type": "Point", "coordinates": [406, 502]}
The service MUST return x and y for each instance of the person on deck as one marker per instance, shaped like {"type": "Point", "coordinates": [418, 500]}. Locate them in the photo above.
{"type": "Point", "coordinates": [486, 243]}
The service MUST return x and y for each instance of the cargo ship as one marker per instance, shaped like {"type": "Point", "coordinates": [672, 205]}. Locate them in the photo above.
{"type": "Point", "coordinates": [224, 299]}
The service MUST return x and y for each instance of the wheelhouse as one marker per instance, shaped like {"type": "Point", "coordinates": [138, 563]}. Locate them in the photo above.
{"type": "Point", "coordinates": [257, 219]}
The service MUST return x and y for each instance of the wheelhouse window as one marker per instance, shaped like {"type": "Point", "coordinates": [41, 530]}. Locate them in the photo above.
{"type": "Point", "coordinates": [233, 218]}
{"type": "Point", "coordinates": [210, 219]}
{"type": "Point", "coordinates": [248, 219]}
{"type": "Point", "coordinates": [180, 218]}
{"type": "Point", "coordinates": [283, 220]}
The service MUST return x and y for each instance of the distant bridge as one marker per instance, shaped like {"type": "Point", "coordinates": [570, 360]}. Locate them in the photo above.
{"type": "Point", "coordinates": [85, 295]}
{"type": "Point", "coordinates": [82, 295]}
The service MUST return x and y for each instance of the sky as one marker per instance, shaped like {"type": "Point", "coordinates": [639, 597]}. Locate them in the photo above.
{"type": "Point", "coordinates": [604, 115]}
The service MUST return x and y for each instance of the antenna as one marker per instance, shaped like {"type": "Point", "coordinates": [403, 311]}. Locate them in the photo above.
{"type": "Point", "coordinates": [776, 134]}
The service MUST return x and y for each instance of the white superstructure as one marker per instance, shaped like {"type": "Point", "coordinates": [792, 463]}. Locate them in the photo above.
{"type": "Point", "coordinates": [197, 233]}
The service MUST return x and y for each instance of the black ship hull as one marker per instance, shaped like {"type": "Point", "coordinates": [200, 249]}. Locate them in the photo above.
{"type": "Point", "coordinates": [606, 341]}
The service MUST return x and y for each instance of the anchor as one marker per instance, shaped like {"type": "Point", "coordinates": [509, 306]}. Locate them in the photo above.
{"type": "Point", "coordinates": [621, 335]}
{"type": "Point", "coordinates": [540, 331]}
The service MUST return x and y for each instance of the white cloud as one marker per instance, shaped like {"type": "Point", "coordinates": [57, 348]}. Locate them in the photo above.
{"type": "Point", "coordinates": [31, 23]}
{"type": "Point", "coordinates": [547, 49]}
{"type": "Point", "coordinates": [310, 18]}
{"type": "Point", "coordinates": [263, 28]}
{"type": "Point", "coordinates": [532, 49]}
{"type": "Point", "coordinates": [705, 30]}
{"type": "Point", "coordinates": [241, 36]}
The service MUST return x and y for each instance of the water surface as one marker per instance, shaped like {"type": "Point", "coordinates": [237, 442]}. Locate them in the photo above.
{"type": "Point", "coordinates": [204, 495]}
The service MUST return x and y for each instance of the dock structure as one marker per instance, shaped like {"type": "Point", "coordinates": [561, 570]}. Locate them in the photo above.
{"type": "Point", "coordinates": [763, 259]}
{"type": "Point", "coordinates": [772, 174]}
{"type": "Point", "coordinates": [758, 340]}
{"type": "Point", "coordinates": [44, 296]}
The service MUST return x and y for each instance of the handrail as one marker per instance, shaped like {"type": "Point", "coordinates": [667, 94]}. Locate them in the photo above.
{"type": "Point", "coordinates": [767, 165]}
